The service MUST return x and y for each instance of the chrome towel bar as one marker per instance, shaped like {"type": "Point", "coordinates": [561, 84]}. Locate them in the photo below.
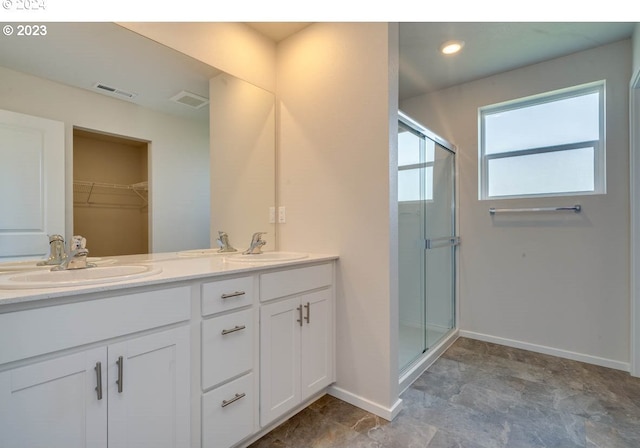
{"type": "Point", "coordinates": [573, 208]}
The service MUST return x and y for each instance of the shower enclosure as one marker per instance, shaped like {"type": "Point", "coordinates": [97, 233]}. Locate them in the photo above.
{"type": "Point", "coordinates": [427, 241]}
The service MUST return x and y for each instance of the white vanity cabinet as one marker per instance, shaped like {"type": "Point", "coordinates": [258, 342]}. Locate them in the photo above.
{"type": "Point", "coordinates": [132, 390]}
{"type": "Point", "coordinates": [53, 403]}
{"type": "Point", "coordinates": [205, 359]}
{"type": "Point", "coordinates": [296, 337]}
{"type": "Point", "coordinates": [229, 353]}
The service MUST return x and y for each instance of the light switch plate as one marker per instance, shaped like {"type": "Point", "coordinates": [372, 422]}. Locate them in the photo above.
{"type": "Point", "coordinates": [272, 215]}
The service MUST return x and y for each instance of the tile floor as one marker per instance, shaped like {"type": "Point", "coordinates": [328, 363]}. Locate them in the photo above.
{"type": "Point", "coordinates": [481, 395]}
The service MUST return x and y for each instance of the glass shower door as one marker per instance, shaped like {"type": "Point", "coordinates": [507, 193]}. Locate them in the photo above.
{"type": "Point", "coordinates": [426, 249]}
{"type": "Point", "coordinates": [440, 245]}
{"type": "Point", "coordinates": [412, 194]}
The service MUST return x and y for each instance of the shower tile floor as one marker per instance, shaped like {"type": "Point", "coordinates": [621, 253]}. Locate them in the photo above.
{"type": "Point", "coordinates": [411, 342]}
{"type": "Point", "coordinates": [481, 395]}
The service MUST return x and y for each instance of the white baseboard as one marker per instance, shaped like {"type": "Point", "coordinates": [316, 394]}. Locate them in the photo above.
{"type": "Point", "coordinates": [368, 405]}
{"type": "Point", "coordinates": [589, 359]}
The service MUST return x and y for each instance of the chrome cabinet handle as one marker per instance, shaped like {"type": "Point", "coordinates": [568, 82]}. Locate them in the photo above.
{"type": "Point", "coordinates": [226, 403]}
{"type": "Point", "coordinates": [120, 363]}
{"type": "Point", "coordinates": [299, 309]}
{"type": "Point", "coordinates": [232, 294]}
{"type": "Point", "coordinates": [308, 307]}
{"type": "Point", "coordinates": [234, 329]}
{"type": "Point", "coordinates": [98, 369]}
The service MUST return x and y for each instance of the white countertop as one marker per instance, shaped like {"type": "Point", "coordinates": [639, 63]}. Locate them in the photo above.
{"type": "Point", "coordinates": [175, 267]}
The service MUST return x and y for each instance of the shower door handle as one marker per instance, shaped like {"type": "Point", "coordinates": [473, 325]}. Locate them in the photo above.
{"type": "Point", "coordinates": [435, 243]}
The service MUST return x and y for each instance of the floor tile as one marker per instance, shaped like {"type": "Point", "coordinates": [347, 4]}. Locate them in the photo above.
{"type": "Point", "coordinates": [482, 395]}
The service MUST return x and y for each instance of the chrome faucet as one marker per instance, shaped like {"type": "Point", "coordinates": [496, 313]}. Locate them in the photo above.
{"type": "Point", "coordinates": [76, 258]}
{"type": "Point", "coordinates": [56, 251]}
{"type": "Point", "coordinates": [223, 242]}
{"type": "Point", "coordinates": [256, 244]}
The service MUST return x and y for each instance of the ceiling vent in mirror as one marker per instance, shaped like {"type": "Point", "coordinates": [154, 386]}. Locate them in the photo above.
{"type": "Point", "coordinates": [114, 90]}
{"type": "Point", "coordinates": [190, 99]}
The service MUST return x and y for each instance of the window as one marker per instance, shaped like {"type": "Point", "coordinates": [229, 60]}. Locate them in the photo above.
{"type": "Point", "coordinates": [415, 166]}
{"type": "Point", "coordinates": [546, 145]}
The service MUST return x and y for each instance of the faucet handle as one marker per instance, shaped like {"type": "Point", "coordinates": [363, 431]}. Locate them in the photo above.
{"type": "Point", "coordinates": [223, 242]}
{"type": "Point", "coordinates": [55, 237]}
{"type": "Point", "coordinates": [56, 251]}
{"type": "Point", "coordinates": [78, 242]}
{"type": "Point", "coordinates": [256, 244]}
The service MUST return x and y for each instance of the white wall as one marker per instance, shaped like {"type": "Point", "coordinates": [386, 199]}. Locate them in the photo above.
{"type": "Point", "coordinates": [337, 90]}
{"type": "Point", "coordinates": [636, 48]}
{"type": "Point", "coordinates": [242, 141]}
{"type": "Point", "coordinates": [178, 157]}
{"type": "Point", "coordinates": [556, 283]}
{"type": "Point", "coordinates": [234, 48]}
{"type": "Point", "coordinates": [635, 210]}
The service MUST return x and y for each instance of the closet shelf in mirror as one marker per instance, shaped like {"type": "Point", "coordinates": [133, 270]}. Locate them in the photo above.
{"type": "Point", "coordinates": [110, 194]}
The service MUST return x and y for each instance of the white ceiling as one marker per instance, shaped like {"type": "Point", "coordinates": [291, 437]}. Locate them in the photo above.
{"type": "Point", "coordinates": [490, 48]}
{"type": "Point", "coordinates": [81, 54]}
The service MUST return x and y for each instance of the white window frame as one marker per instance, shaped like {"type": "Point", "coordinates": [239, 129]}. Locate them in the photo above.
{"type": "Point", "coordinates": [598, 145]}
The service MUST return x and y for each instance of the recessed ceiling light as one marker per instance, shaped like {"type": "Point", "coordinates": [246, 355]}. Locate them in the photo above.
{"type": "Point", "coordinates": [451, 46]}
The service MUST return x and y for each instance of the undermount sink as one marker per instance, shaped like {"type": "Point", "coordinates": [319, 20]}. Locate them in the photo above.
{"type": "Point", "coordinates": [76, 277]}
{"type": "Point", "coordinates": [202, 252]}
{"type": "Point", "coordinates": [32, 265]}
{"type": "Point", "coordinates": [265, 257]}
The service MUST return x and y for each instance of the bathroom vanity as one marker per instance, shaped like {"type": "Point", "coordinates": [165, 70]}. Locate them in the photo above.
{"type": "Point", "coordinates": [203, 352]}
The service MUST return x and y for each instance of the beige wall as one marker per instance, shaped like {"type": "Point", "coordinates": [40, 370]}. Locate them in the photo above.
{"type": "Point", "coordinates": [234, 48]}
{"type": "Point", "coordinates": [556, 283]}
{"type": "Point", "coordinates": [178, 154]}
{"type": "Point", "coordinates": [337, 90]}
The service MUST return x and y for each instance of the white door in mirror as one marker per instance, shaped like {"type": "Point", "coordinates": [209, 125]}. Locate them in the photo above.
{"type": "Point", "coordinates": [32, 154]}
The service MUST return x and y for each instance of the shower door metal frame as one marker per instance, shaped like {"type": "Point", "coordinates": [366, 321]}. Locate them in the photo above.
{"type": "Point", "coordinates": [453, 241]}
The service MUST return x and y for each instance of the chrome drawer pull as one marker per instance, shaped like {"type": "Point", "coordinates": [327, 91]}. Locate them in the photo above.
{"type": "Point", "coordinates": [98, 370]}
{"type": "Point", "coordinates": [232, 294]}
{"type": "Point", "coordinates": [120, 363]}
{"type": "Point", "coordinates": [236, 398]}
{"type": "Point", "coordinates": [234, 329]}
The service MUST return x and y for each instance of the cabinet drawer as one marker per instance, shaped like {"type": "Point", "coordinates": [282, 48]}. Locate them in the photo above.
{"type": "Point", "coordinates": [227, 347]}
{"type": "Point", "coordinates": [225, 295]}
{"type": "Point", "coordinates": [49, 329]}
{"type": "Point", "coordinates": [293, 281]}
{"type": "Point", "coordinates": [228, 413]}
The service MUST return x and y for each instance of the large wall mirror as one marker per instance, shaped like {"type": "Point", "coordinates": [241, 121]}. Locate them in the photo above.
{"type": "Point", "coordinates": [205, 139]}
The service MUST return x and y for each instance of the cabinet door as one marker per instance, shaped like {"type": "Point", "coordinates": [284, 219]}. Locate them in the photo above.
{"type": "Point", "coordinates": [149, 391]}
{"type": "Point", "coordinates": [279, 358]}
{"type": "Point", "coordinates": [54, 403]}
{"type": "Point", "coordinates": [317, 342]}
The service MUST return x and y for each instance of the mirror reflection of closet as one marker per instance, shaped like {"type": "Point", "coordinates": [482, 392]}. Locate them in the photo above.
{"type": "Point", "coordinates": [110, 193]}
